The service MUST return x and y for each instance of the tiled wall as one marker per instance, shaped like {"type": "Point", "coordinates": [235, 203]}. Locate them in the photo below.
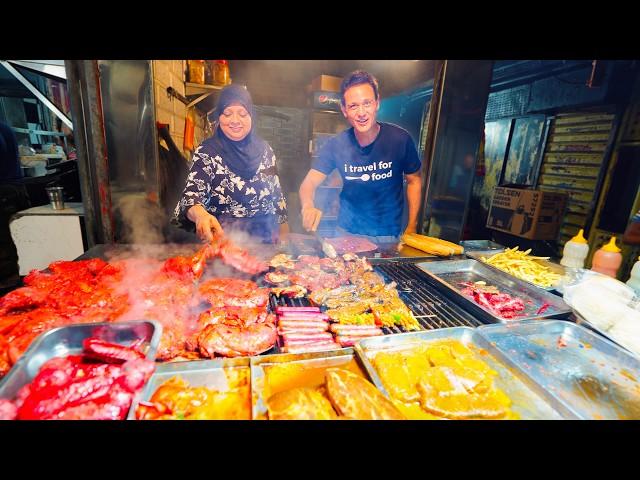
{"type": "Point", "coordinates": [171, 73]}
{"type": "Point", "coordinates": [289, 140]}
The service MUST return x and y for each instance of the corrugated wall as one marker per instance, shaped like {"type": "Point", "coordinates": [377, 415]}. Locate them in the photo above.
{"type": "Point", "coordinates": [629, 137]}
{"type": "Point", "coordinates": [572, 162]}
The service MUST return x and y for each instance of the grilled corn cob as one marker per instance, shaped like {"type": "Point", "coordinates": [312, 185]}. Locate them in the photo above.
{"type": "Point", "coordinates": [432, 245]}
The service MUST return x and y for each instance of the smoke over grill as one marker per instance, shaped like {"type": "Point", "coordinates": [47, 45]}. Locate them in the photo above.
{"type": "Point", "coordinates": [141, 220]}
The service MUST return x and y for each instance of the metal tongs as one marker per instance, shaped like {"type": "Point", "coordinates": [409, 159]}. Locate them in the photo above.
{"type": "Point", "coordinates": [327, 248]}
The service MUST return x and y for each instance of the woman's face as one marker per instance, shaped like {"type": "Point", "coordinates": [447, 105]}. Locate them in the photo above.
{"type": "Point", "coordinates": [235, 122]}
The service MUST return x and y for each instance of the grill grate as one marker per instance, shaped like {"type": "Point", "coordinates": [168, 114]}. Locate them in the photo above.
{"type": "Point", "coordinates": [285, 301]}
{"type": "Point", "coordinates": [431, 308]}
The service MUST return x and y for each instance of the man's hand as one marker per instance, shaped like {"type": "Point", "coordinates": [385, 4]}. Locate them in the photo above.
{"type": "Point", "coordinates": [311, 218]}
{"type": "Point", "coordinates": [410, 229]}
{"type": "Point", "coordinates": [207, 226]}
{"type": "Point", "coordinates": [310, 215]}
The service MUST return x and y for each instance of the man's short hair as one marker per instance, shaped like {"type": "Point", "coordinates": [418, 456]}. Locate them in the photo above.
{"type": "Point", "coordinates": [359, 77]}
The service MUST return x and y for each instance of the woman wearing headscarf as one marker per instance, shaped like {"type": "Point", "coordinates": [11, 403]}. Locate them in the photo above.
{"type": "Point", "coordinates": [233, 183]}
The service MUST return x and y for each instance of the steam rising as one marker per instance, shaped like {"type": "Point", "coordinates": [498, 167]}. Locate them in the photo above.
{"type": "Point", "coordinates": [142, 220]}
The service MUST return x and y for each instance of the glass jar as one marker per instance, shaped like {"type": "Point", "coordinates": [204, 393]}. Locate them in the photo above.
{"type": "Point", "coordinates": [221, 73]}
{"type": "Point", "coordinates": [209, 71]}
{"type": "Point", "coordinates": [196, 71]}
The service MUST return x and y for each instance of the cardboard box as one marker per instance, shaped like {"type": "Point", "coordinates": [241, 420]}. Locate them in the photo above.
{"type": "Point", "coordinates": [531, 214]}
{"type": "Point", "coordinates": [326, 83]}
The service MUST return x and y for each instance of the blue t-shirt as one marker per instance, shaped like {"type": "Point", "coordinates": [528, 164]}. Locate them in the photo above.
{"type": "Point", "coordinates": [372, 198]}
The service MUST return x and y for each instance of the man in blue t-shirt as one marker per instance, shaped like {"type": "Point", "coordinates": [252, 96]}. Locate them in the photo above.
{"type": "Point", "coordinates": [373, 159]}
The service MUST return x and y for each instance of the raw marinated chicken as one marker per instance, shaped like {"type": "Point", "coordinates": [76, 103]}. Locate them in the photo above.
{"type": "Point", "coordinates": [443, 379]}
{"type": "Point", "coordinates": [354, 397]}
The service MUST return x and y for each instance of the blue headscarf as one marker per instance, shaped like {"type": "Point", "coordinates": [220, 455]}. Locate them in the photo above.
{"type": "Point", "coordinates": [242, 157]}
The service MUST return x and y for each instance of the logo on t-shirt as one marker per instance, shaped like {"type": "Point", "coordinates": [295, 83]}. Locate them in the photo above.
{"type": "Point", "coordinates": [374, 171]}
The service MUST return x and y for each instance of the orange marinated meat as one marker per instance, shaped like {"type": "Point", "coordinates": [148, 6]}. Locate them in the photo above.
{"type": "Point", "coordinates": [447, 380]}
{"type": "Point", "coordinates": [300, 403]}
{"type": "Point", "coordinates": [354, 397]}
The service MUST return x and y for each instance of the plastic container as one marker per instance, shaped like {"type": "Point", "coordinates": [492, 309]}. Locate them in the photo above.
{"type": "Point", "coordinates": [607, 259]}
{"type": "Point", "coordinates": [575, 251]}
{"type": "Point", "coordinates": [221, 73]}
{"type": "Point", "coordinates": [196, 71]}
{"type": "Point", "coordinates": [634, 279]}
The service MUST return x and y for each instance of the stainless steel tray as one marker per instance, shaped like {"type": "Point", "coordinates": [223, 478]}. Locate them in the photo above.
{"type": "Point", "coordinates": [525, 395]}
{"type": "Point", "coordinates": [447, 276]}
{"type": "Point", "coordinates": [583, 374]}
{"type": "Point", "coordinates": [554, 267]}
{"type": "Point", "coordinates": [486, 245]}
{"type": "Point", "coordinates": [67, 340]}
{"type": "Point", "coordinates": [199, 373]}
{"type": "Point", "coordinates": [580, 320]}
{"type": "Point", "coordinates": [328, 359]}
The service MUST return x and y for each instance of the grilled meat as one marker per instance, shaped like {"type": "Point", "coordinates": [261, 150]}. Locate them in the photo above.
{"type": "Point", "coordinates": [235, 341]}
{"type": "Point", "coordinates": [293, 291]}
{"type": "Point", "coordinates": [231, 292]}
{"type": "Point", "coordinates": [276, 278]}
{"type": "Point", "coordinates": [282, 261]}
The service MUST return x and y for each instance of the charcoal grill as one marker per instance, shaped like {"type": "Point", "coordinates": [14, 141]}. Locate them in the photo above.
{"type": "Point", "coordinates": [431, 308]}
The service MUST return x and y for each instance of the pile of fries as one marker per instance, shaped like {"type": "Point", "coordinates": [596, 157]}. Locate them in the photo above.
{"type": "Point", "coordinates": [519, 264]}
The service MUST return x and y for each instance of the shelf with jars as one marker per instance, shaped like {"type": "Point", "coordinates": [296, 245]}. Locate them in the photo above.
{"type": "Point", "coordinates": [204, 78]}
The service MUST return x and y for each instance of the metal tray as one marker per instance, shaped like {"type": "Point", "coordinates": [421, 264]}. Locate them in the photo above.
{"type": "Point", "coordinates": [580, 320]}
{"type": "Point", "coordinates": [554, 267]}
{"type": "Point", "coordinates": [205, 373]}
{"type": "Point", "coordinates": [525, 395]}
{"type": "Point", "coordinates": [583, 374]}
{"type": "Point", "coordinates": [327, 359]}
{"type": "Point", "coordinates": [487, 245]}
{"type": "Point", "coordinates": [67, 340]}
{"type": "Point", "coordinates": [447, 276]}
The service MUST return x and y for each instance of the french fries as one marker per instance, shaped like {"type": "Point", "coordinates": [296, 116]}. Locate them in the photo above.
{"type": "Point", "coordinates": [523, 266]}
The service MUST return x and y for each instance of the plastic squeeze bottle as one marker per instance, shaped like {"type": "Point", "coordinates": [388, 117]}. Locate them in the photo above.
{"type": "Point", "coordinates": [575, 251]}
{"type": "Point", "coordinates": [607, 259]}
{"type": "Point", "coordinates": [634, 279]}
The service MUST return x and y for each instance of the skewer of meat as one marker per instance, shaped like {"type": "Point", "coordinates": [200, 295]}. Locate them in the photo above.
{"type": "Point", "coordinates": [301, 324]}
{"type": "Point", "coordinates": [311, 348]}
{"type": "Point", "coordinates": [307, 336]}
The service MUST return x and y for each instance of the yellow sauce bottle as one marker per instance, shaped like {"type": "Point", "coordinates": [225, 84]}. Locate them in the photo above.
{"type": "Point", "coordinates": [607, 259]}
